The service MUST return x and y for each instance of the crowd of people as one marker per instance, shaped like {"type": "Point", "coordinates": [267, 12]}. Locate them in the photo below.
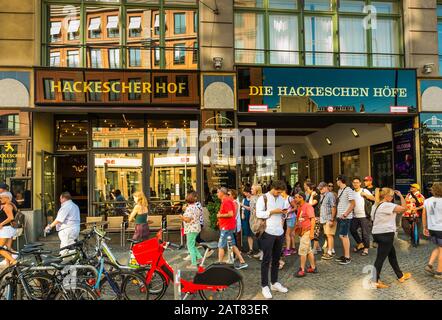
{"type": "Point", "coordinates": [284, 221]}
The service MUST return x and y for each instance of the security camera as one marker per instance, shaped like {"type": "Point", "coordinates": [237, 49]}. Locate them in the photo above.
{"type": "Point", "coordinates": [218, 63]}
{"type": "Point", "coordinates": [428, 68]}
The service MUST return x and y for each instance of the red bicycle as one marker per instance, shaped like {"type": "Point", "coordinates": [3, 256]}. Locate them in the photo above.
{"type": "Point", "coordinates": [217, 281]}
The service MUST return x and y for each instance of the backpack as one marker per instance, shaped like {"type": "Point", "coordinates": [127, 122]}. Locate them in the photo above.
{"type": "Point", "coordinates": [19, 220]}
{"type": "Point", "coordinates": [258, 225]}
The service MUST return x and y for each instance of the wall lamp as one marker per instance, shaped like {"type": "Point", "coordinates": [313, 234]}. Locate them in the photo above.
{"type": "Point", "coordinates": [355, 133]}
{"type": "Point", "coordinates": [328, 140]}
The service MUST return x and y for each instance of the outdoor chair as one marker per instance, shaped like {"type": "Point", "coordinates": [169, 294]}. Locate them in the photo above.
{"type": "Point", "coordinates": [116, 224]}
{"type": "Point", "coordinates": [174, 224]}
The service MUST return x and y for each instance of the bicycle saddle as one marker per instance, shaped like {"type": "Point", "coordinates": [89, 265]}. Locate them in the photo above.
{"type": "Point", "coordinates": [48, 261]}
{"type": "Point", "coordinates": [209, 245]}
{"type": "Point", "coordinates": [35, 250]}
{"type": "Point", "coordinates": [134, 241]}
{"type": "Point", "coordinates": [33, 245]}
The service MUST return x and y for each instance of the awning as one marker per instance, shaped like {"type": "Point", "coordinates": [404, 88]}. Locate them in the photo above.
{"type": "Point", "coordinates": [112, 22]}
{"type": "Point", "coordinates": [135, 23]}
{"type": "Point", "coordinates": [55, 28]}
{"type": "Point", "coordinates": [94, 24]}
{"type": "Point", "coordinates": [74, 25]}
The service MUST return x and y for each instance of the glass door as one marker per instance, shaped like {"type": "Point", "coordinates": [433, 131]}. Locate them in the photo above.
{"type": "Point", "coordinates": [172, 176]}
{"type": "Point", "coordinates": [47, 195]}
{"type": "Point", "coordinates": [117, 176]}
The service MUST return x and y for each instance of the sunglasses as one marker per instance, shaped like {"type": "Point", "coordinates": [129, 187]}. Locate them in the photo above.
{"type": "Point", "coordinates": [331, 186]}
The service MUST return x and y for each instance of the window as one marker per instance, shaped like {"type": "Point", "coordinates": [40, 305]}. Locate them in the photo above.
{"type": "Point", "coordinates": [54, 59]}
{"type": "Point", "coordinates": [134, 27]}
{"type": "Point", "coordinates": [278, 32]}
{"type": "Point", "coordinates": [114, 58]}
{"type": "Point", "coordinates": [73, 59]}
{"type": "Point", "coordinates": [9, 125]}
{"type": "Point", "coordinates": [244, 78]}
{"type": "Point", "coordinates": [95, 28]}
{"type": "Point", "coordinates": [134, 57]}
{"type": "Point", "coordinates": [114, 95]}
{"type": "Point", "coordinates": [94, 95]}
{"type": "Point", "coordinates": [112, 27]}
{"type": "Point", "coordinates": [96, 58]}
{"type": "Point", "coordinates": [179, 23]}
{"type": "Point", "coordinates": [96, 144]}
{"type": "Point", "coordinates": [55, 31]}
{"type": "Point", "coordinates": [195, 22]}
{"type": "Point", "coordinates": [114, 143]}
{"type": "Point", "coordinates": [195, 52]}
{"type": "Point", "coordinates": [179, 53]}
{"type": "Point", "coordinates": [157, 55]}
{"type": "Point", "coordinates": [283, 39]}
{"type": "Point", "coordinates": [157, 24]}
{"type": "Point", "coordinates": [318, 40]}
{"type": "Point", "coordinates": [160, 81]}
{"type": "Point", "coordinates": [49, 93]}
{"type": "Point", "coordinates": [73, 30]}
{"type": "Point", "coordinates": [133, 95]}
{"type": "Point", "coordinates": [249, 38]}
{"type": "Point", "coordinates": [353, 42]}
{"type": "Point", "coordinates": [68, 95]}
{"type": "Point", "coordinates": [133, 143]}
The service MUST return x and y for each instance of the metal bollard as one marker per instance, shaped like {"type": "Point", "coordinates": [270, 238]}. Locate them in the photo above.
{"type": "Point", "coordinates": [177, 283]}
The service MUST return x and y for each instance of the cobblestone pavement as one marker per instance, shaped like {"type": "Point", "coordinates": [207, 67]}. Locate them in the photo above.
{"type": "Point", "coordinates": [333, 282]}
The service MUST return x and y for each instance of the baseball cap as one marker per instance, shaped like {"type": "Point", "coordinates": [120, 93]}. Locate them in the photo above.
{"type": "Point", "coordinates": [4, 186]}
{"type": "Point", "coordinates": [415, 185]}
{"type": "Point", "coordinates": [369, 178]}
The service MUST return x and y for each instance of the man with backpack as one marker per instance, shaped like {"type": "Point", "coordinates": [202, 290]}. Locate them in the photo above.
{"type": "Point", "coordinates": [271, 209]}
{"type": "Point", "coordinates": [412, 217]}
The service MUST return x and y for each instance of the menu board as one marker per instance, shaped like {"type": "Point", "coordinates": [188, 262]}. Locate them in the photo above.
{"type": "Point", "coordinates": [431, 146]}
{"type": "Point", "coordinates": [404, 156]}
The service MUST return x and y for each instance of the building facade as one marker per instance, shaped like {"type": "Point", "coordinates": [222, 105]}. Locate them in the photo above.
{"type": "Point", "coordinates": [105, 89]}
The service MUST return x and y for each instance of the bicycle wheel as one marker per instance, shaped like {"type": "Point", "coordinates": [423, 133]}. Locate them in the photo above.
{"type": "Point", "coordinates": [232, 292]}
{"type": "Point", "coordinates": [157, 286]}
{"type": "Point", "coordinates": [133, 287]}
{"type": "Point", "coordinates": [39, 286]}
{"type": "Point", "coordinates": [77, 292]}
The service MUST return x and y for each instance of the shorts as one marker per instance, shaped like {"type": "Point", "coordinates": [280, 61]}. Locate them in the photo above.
{"type": "Point", "coordinates": [436, 237]}
{"type": "Point", "coordinates": [305, 244]}
{"type": "Point", "coordinates": [331, 231]}
{"type": "Point", "coordinates": [291, 222]}
{"type": "Point", "coordinates": [222, 243]}
{"type": "Point", "coordinates": [7, 232]}
{"type": "Point", "coordinates": [344, 227]}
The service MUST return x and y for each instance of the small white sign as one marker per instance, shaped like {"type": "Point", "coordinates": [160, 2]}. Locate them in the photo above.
{"type": "Point", "coordinates": [258, 108]}
{"type": "Point", "coordinates": [398, 109]}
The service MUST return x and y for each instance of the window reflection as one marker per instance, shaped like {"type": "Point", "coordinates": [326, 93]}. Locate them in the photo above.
{"type": "Point", "coordinates": [71, 135]}
{"type": "Point", "coordinates": [172, 133]}
{"type": "Point", "coordinates": [117, 133]}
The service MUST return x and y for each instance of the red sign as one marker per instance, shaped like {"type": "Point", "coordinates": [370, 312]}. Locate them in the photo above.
{"type": "Point", "coordinates": [398, 109]}
{"type": "Point", "coordinates": [258, 108]}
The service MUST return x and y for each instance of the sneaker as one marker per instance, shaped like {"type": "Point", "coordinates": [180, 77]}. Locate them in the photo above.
{"type": "Point", "coordinates": [326, 256]}
{"type": "Point", "coordinates": [333, 252]}
{"type": "Point", "coordinates": [345, 261]}
{"type": "Point", "coordinates": [240, 266]}
{"type": "Point", "coordinates": [438, 275]}
{"type": "Point", "coordinates": [405, 276]}
{"type": "Point", "coordinates": [311, 270]}
{"type": "Point", "coordinates": [300, 273]}
{"type": "Point", "coordinates": [341, 258]}
{"type": "Point", "coordinates": [381, 285]}
{"type": "Point", "coordinates": [429, 269]}
{"type": "Point", "coordinates": [187, 258]}
{"type": "Point", "coordinates": [278, 287]}
{"type": "Point", "coordinates": [266, 292]}
{"type": "Point", "coordinates": [287, 252]}
{"type": "Point", "coordinates": [258, 255]}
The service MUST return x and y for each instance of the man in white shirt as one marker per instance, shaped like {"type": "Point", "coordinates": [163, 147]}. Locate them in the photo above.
{"type": "Point", "coordinates": [345, 205]}
{"type": "Point", "coordinates": [67, 222]}
{"type": "Point", "coordinates": [272, 207]}
{"type": "Point", "coordinates": [360, 220]}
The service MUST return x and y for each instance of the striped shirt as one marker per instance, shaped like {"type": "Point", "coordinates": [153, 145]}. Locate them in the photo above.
{"type": "Point", "coordinates": [344, 197]}
{"type": "Point", "coordinates": [328, 201]}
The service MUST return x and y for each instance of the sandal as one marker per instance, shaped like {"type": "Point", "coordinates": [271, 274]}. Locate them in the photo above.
{"type": "Point", "coordinates": [364, 253]}
{"type": "Point", "coordinates": [358, 248]}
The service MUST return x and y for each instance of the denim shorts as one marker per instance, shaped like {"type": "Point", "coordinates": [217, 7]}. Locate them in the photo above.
{"type": "Point", "coordinates": [344, 227]}
{"type": "Point", "coordinates": [222, 243]}
{"type": "Point", "coordinates": [291, 222]}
